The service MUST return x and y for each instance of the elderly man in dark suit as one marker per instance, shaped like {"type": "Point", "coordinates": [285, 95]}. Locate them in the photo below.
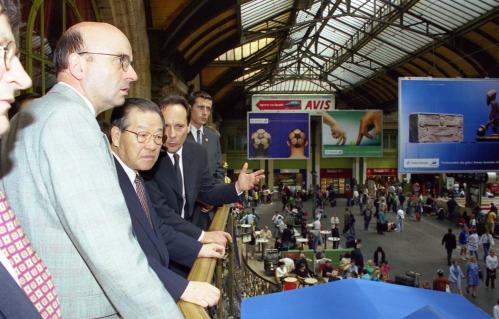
{"type": "Point", "coordinates": [137, 135]}
{"type": "Point", "coordinates": [181, 176]}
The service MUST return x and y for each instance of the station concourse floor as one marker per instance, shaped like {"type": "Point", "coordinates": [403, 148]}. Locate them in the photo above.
{"type": "Point", "coordinates": [417, 248]}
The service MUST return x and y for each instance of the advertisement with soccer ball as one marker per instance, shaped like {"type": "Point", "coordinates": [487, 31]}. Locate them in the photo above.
{"type": "Point", "coordinates": [278, 135]}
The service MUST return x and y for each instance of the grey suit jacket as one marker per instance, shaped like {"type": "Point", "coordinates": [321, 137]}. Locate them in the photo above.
{"type": "Point", "coordinates": [211, 142]}
{"type": "Point", "coordinates": [62, 184]}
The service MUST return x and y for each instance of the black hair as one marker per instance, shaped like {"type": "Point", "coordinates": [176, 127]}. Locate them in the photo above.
{"type": "Point", "coordinates": [119, 117]}
{"type": "Point", "coordinates": [176, 99]}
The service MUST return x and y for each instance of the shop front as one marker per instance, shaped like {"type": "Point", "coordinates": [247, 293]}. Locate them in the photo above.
{"type": "Point", "coordinates": [290, 177]}
{"type": "Point", "coordinates": [382, 176]}
{"type": "Point", "coordinates": [428, 184]}
{"type": "Point", "coordinates": [340, 179]}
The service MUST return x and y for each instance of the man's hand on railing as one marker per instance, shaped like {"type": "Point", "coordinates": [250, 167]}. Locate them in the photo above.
{"type": "Point", "coordinates": [217, 236]}
{"type": "Point", "coordinates": [212, 251]}
{"type": "Point", "coordinates": [201, 293]}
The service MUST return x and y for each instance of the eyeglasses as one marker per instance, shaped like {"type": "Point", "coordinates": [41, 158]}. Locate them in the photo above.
{"type": "Point", "coordinates": [124, 59]}
{"type": "Point", "coordinates": [144, 137]}
{"type": "Point", "coordinates": [9, 51]}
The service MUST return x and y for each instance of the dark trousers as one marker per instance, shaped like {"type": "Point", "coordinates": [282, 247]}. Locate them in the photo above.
{"type": "Point", "coordinates": [490, 277]}
{"type": "Point", "coordinates": [449, 256]}
{"type": "Point", "coordinates": [366, 224]}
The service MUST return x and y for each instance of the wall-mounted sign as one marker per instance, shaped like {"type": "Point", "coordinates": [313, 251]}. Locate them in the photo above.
{"type": "Point", "coordinates": [448, 125]}
{"type": "Point", "coordinates": [278, 135]}
{"type": "Point", "coordinates": [311, 103]}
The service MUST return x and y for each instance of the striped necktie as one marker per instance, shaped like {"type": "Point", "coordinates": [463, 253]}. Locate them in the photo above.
{"type": "Point", "coordinates": [33, 275]}
{"type": "Point", "coordinates": [141, 193]}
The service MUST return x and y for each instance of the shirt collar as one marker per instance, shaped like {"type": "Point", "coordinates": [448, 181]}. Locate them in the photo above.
{"type": "Point", "coordinates": [129, 172]}
{"type": "Point", "coordinates": [87, 102]}
{"type": "Point", "coordinates": [194, 130]}
{"type": "Point", "coordinates": [179, 152]}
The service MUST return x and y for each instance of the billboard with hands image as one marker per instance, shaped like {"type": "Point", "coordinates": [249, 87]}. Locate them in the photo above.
{"type": "Point", "coordinates": [352, 133]}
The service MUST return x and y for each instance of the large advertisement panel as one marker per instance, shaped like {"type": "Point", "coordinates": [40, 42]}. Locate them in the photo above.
{"type": "Point", "coordinates": [448, 125]}
{"type": "Point", "coordinates": [311, 103]}
{"type": "Point", "coordinates": [278, 135]}
{"type": "Point", "coordinates": [352, 133]}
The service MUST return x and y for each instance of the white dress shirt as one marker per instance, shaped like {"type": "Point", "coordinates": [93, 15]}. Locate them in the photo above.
{"type": "Point", "coordinates": [129, 172]}
{"type": "Point", "coordinates": [8, 266]}
{"type": "Point", "coordinates": [194, 132]}
{"type": "Point", "coordinates": [181, 165]}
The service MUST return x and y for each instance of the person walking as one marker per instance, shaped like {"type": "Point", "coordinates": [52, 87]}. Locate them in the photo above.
{"type": "Point", "coordinates": [491, 263]}
{"type": "Point", "coordinates": [473, 243]}
{"type": "Point", "coordinates": [381, 222]}
{"type": "Point", "coordinates": [367, 213]}
{"type": "Point", "coordinates": [463, 242]}
{"type": "Point", "coordinates": [400, 220]}
{"type": "Point", "coordinates": [472, 276]}
{"type": "Point", "coordinates": [449, 242]}
{"type": "Point", "coordinates": [486, 240]}
{"type": "Point", "coordinates": [455, 276]}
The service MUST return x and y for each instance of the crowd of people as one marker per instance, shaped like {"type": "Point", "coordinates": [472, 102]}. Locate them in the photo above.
{"type": "Point", "coordinates": [104, 223]}
{"type": "Point", "coordinates": [297, 229]}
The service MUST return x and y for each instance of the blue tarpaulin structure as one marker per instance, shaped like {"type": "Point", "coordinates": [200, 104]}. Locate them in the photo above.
{"type": "Point", "coordinates": [357, 298]}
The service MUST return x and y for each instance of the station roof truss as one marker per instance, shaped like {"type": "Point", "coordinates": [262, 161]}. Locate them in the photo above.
{"type": "Point", "coordinates": [356, 49]}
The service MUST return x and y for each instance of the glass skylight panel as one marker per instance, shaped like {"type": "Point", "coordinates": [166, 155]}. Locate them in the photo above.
{"type": "Point", "coordinates": [256, 11]}
{"type": "Point", "coordinates": [346, 75]}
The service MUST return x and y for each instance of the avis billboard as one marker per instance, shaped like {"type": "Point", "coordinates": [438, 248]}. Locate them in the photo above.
{"type": "Point", "coordinates": [311, 103]}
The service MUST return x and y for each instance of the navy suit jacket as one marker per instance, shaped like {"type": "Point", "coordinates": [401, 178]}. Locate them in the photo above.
{"type": "Point", "coordinates": [161, 242]}
{"type": "Point", "coordinates": [166, 194]}
{"type": "Point", "coordinates": [14, 304]}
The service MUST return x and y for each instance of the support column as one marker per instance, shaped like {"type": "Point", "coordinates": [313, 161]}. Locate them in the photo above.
{"type": "Point", "coordinates": [270, 174]}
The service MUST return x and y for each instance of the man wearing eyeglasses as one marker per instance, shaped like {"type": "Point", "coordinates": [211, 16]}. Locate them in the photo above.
{"type": "Point", "coordinates": [137, 136]}
{"type": "Point", "coordinates": [63, 185]}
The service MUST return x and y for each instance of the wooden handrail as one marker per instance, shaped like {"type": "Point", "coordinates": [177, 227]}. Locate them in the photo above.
{"type": "Point", "coordinates": [204, 269]}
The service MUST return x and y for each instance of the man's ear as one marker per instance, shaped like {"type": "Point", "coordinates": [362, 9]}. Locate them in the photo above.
{"type": "Point", "coordinates": [115, 136]}
{"type": "Point", "coordinates": [76, 65]}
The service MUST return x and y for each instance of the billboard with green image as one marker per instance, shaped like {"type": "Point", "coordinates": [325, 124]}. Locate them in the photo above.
{"type": "Point", "coordinates": [352, 133]}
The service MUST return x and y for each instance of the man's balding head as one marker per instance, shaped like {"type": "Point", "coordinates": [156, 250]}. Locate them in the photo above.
{"type": "Point", "coordinates": [80, 37]}
{"type": "Point", "coordinates": [95, 59]}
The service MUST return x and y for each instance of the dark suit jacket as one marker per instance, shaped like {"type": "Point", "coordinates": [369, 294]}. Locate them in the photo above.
{"type": "Point", "coordinates": [161, 243]}
{"type": "Point", "coordinates": [13, 302]}
{"type": "Point", "coordinates": [211, 142]}
{"type": "Point", "coordinates": [199, 184]}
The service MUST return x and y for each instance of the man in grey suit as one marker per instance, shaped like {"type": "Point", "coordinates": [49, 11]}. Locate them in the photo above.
{"type": "Point", "coordinates": [63, 185]}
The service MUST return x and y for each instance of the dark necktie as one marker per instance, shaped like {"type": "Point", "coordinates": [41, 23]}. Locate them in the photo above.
{"type": "Point", "coordinates": [176, 157]}
{"type": "Point", "coordinates": [141, 193]}
{"type": "Point", "coordinates": [199, 140]}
